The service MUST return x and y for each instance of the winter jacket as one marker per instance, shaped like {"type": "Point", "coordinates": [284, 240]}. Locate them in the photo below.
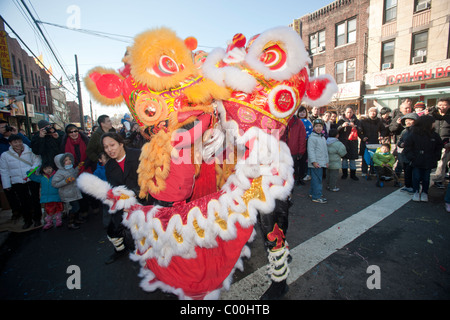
{"type": "Point", "coordinates": [46, 147]}
{"type": "Point", "coordinates": [15, 171]}
{"type": "Point", "coordinates": [442, 125]}
{"type": "Point", "coordinates": [396, 128]}
{"type": "Point", "coordinates": [68, 191]}
{"type": "Point", "coordinates": [422, 150]}
{"type": "Point", "coordinates": [371, 129]}
{"type": "Point", "coordinates": [336, 151]}
{"type": "Point", "coordinates": [129, 178]}
{"type": "Point", "coordinates": [4, 142]}
{"type": "Point", "coordinates": [383, 158]}
{"type": "Point", "coordinates": [317, 150]}
{"type": "Point", "coordinates": [100, 172]}
{"type": "Point", "coordinates": [95, 147]}
{"type": "Point", "coordinates": [296, 136]}
{"type": "Point", "coordinates": [48, 192]}
{"type": "Point", "coordinates": [308, 126]}
{"type": "Point", "coordinates": [344, 132]}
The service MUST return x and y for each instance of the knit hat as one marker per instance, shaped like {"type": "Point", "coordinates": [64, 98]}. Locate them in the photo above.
{"type": "Point", "coordinates": [43, 124]}
{"type": "Point", "coordinates": [374, 109]}
{"type": "Point", "coordinates": [420, 104]}
{"type": "Point", "coordinates": [411, 115]}
{"type": "Point", "coordinates": [385, 110]}
{"type": "Point", "coordinates": [70, 125]}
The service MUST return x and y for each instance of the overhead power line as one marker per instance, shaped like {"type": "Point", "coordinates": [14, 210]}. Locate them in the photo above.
{"type": "Point", "coordinates": [34, 55]}
{"type": "Point", "coordinates": [45, 39]}
{"type": "Point", "coordinates": [92, 32]}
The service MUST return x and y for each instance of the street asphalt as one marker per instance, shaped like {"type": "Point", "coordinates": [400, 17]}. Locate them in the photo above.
{"type": "Point", "coordinates": [410, 247]}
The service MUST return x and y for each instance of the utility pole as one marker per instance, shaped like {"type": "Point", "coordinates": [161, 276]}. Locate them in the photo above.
{"type": "Point", "coordinates": [80, 102]}
{"type": "Point", "coordinates": [92, 115]}
{"type": "Point", "coordinates": [27, 118]}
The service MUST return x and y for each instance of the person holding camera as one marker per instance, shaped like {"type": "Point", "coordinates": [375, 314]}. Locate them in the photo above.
{"type": "Point", "coordinates": [5, 132]}
{"type": "Point", "coordinates": [46, 142]}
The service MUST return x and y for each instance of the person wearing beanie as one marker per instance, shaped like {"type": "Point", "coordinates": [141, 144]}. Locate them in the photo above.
{"type": "Point", "coordinates": [408, 121]}
{"type": "Point", "coordinates": [420, 108]}
{"type": "Point", "coordinates": [46, 142]}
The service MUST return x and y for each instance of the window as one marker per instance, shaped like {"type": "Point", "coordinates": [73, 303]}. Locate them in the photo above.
{"type": "Point", "coordinates": [346, 32]}
{"type": "Point", "coordinates": [318, 71]}
{"type": "Point", "coordinates": [390, 10]}
{"type": "Point", "coordinates": [345, 71]}
{"type": "Point", "coordinates": [340, 72]}
{"type": "Point", "coordinates": [420, 5]}
{"type": "Point", "coordinates": [317, 42]}
{"type": "Point", "coordinates": [419, 47]}
{"type": "Point", "coordinates": [350, 71]}
{"type": "Point", "coordinates": [387, 55]}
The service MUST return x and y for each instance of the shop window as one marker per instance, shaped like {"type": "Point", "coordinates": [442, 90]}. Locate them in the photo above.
{"type": "Point", "coordinates": [390, 10]}
{"type": "Point", "coordinates": [387, 55]}
{"type": "Point", "coordinates": [346, 32]}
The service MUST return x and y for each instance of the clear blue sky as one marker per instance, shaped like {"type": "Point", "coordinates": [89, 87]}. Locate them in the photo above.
{"type": "Point", "coordinates": [212, 22]}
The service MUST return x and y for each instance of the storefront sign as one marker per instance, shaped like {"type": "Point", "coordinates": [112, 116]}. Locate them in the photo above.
{"type": "Point", "coordinates": [412, 76]}
{"type": "Point", "coordinates": [348, 91]}
{"type": "Point", "coordinates": [4, 56]}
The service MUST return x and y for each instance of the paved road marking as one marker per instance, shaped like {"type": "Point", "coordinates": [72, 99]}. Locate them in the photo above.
{"type": "Point", "coordinates": [316, 249]}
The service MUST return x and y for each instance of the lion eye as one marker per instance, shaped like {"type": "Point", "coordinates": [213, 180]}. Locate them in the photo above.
{"type": "Point", "coordinates": [166, 67]}
{"type": "Point", "coordinates": [273, 57]}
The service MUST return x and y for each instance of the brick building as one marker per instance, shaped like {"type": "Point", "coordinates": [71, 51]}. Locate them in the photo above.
{"type": "Point", "coordinates": [35, 78]}
{"type": "Point", "coordinates": [409, 52]}
{"type": "Point", "coordinates": [336, 38]}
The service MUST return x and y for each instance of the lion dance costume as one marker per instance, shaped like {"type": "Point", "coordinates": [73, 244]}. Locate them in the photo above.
{"type": "Point", "coordinates": [214, 162]}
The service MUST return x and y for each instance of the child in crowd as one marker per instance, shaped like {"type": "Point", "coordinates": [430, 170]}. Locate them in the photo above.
{"type": "Point", "coordinates": [100, 172]}
{"type": "Point", "coordinates": [64, 180]}
{"type": "Point", "coordinates": [420, 108]}
{"type": "Point", "coordinates": [49, 195]}
{"type": "Point", "coordinates": [384, 160]}
{"type": "Point", "coordinates": [407, 122]}
{"type": "Point", "coordinates": [422, 150]}
{"type": "Point", "coordinates": [336, 150]}
{"type": "Point", "coordinates": [317, 160]}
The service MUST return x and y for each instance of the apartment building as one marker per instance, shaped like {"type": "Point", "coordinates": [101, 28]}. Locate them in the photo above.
{"type": "Point", "coordinates": [36, 83]}
{"type": "Point", "coordinates": [336, 38]}
{"type": "Point", "coordinates": [408, 52]}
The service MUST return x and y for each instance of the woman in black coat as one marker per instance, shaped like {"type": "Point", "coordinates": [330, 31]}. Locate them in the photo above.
{"type": "Point", "coordinates": [372, 131]}
{"type": "Point", "coordinates": [422, 150]}
{"type": "Point", "coordinates": [120, 170]}
{"type": "Point", "coordinates": [345, 126]}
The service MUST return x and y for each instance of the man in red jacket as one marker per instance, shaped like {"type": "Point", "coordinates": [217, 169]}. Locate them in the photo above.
{"type": "Point", "coordinates": [295, 138]}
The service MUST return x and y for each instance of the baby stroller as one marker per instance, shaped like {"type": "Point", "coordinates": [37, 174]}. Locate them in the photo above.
{"type": "Point", "coordinates": [384, 174]}
{"type": "Point", "coordinates": [368, 155]}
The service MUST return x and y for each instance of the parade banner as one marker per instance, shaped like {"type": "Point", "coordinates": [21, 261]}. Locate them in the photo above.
{"type": "Point", "coordinates": [43, 96]}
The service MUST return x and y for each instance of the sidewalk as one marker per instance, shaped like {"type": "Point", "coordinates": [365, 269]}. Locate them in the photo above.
{"type": "Point", "coordinates": [8, 225]}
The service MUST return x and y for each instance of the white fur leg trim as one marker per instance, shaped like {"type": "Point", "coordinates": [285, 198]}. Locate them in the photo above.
{"type": "Point", "coordinates": [93, 185]}
{"type": "Point", "coordinates": [278, 268]}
